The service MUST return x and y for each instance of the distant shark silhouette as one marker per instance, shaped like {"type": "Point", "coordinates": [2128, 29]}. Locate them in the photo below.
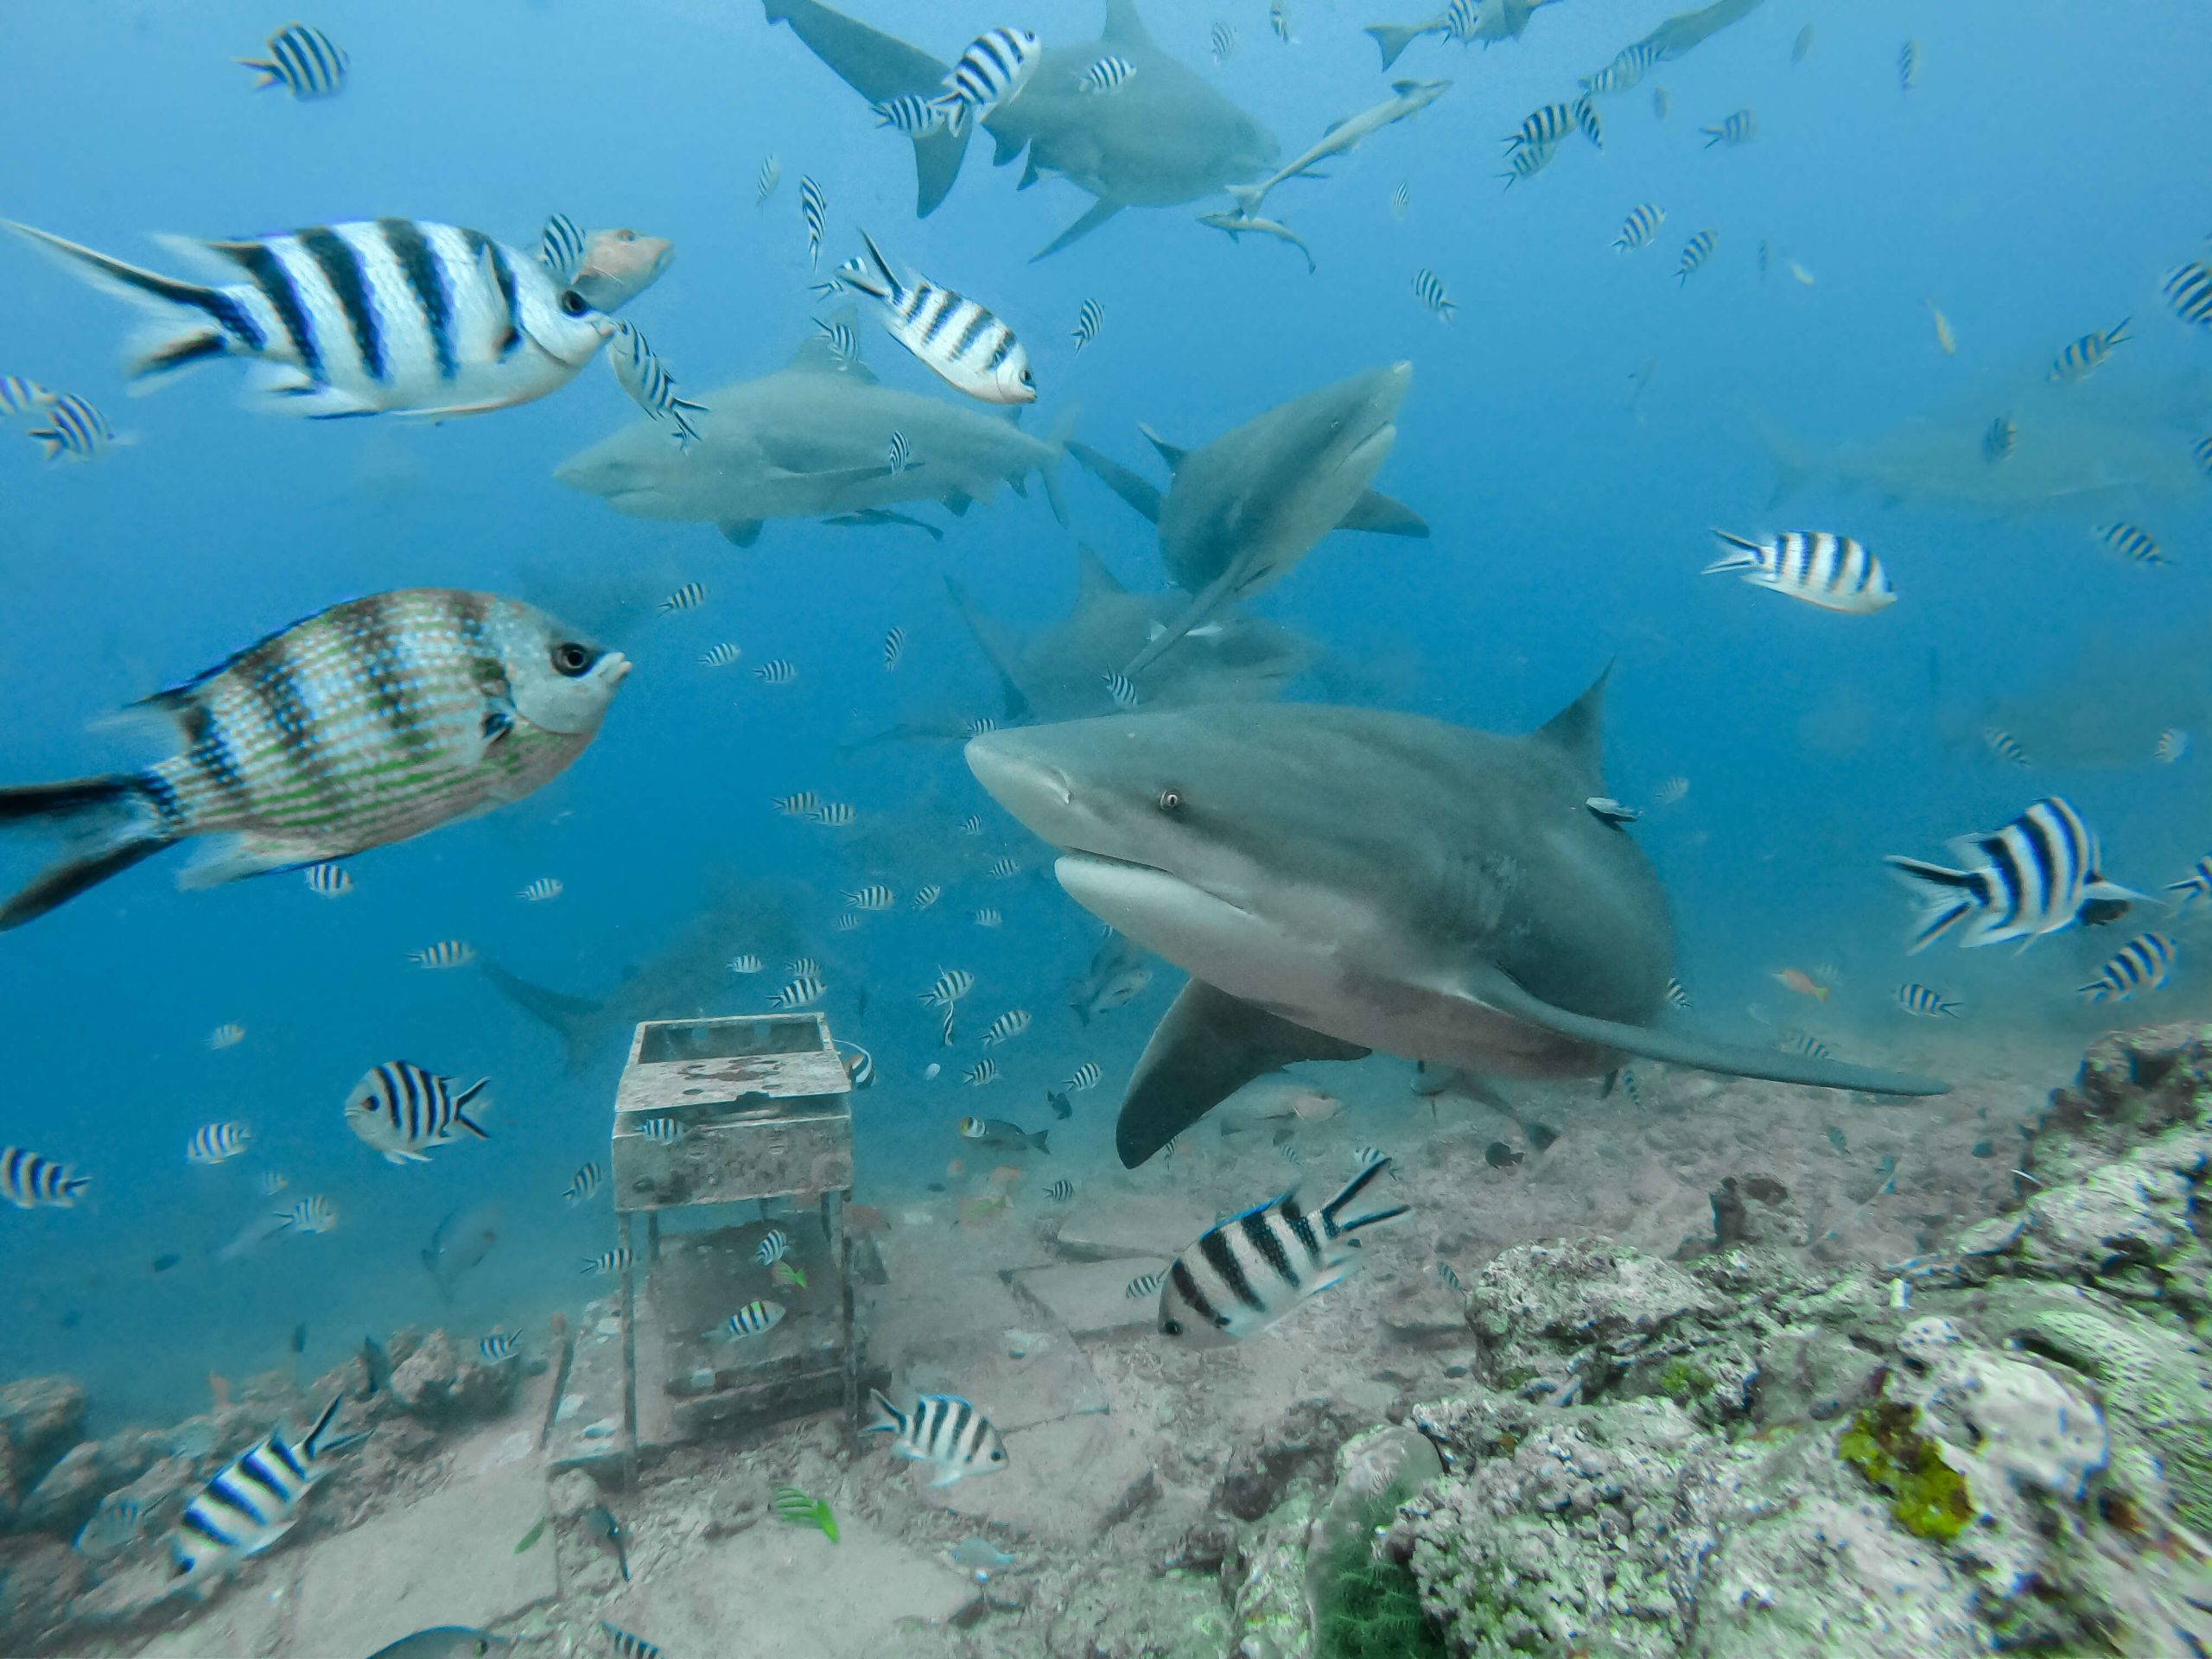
{"type": "Point", "coordinates": [1162, 137]}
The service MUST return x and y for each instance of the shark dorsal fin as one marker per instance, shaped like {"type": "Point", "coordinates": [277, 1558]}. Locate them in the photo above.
{"type": "Point", "coordinates": [1093, 580]}
{"type": "Point", "coordinates": [1168, 452]}
{"type": "Point", "coordinates": [1123, 26]}
{"type": "Point", "coordinates": [1577, 732]}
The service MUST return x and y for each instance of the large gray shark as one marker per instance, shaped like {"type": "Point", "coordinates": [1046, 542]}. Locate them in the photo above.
{"type": "Point", "coordinates": [1337, 880]}
{"type": "Point", "coordinates": [1245, 508]}
{"type": "Point", "coordinates": [812, 441]}
{"type": "Point", "coordinates": [1163, 136]}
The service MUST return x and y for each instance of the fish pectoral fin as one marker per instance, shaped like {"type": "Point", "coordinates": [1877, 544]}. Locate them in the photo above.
{"type": "Point", "coordinates": [232, 858]}
{"type": "Point", "coordinates": [285, 389]}
{"type": "Point", "coordinates": [499, 720]}
{"type": "Point", "coordinates": [1493, 988]}
{"type": "Point", "coordinates": [1378, 513]}
{"type": "Point", "coordinates": [1137, 492]}
{"type": "Point", "coordinates": [1207, 1046]}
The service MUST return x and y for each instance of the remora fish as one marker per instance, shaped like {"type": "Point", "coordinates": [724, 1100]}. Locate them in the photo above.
{"type": "Point", "coordinates": [1408, 97]}
{"type": "Point", "coordinates": [1243, 220]}
{"type": "Point", "coordinates": [379, 316]}
{"type": "Point", "coordinates": [304, 747]}
{"type": "Point", "coordinates": [1165, 135]}
{"type": "Point", "coordinates": [1330, 877]}
{"type": "Point", "coordinates": [809, 441]}
{"type": "Point", "coordinates": [1245, 508]}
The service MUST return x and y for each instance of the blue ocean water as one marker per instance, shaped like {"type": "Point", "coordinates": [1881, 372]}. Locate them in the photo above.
{"type": "Point", "coordinates": [2035, 184]}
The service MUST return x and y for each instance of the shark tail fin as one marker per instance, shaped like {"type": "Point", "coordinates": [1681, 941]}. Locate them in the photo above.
{"type": "Point", "coordinates": [1394, 38]}
{"type": "Point", "coordinates": [1063, 429]}
{"type": "Point", "coordinates": [1248, 198]}
{"type": "Point", "coordinates": [568, 1015]}
{"type": "Point", "coordinates": [1792, 464]}
{"type": "Point", "coordinates": [1946, 897]}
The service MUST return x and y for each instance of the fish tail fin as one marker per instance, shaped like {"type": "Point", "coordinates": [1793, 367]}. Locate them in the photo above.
{"type": "Point", "coordinates": [889, 1419]}
{"type": "Point", "coordinates": [1946, 896]}
{"type": "Point", "coordinates": [571, 1016]}
{"type": "Point", "coordinates": [1037, 1140]}
{"type": "Point", "coordinates": [1248, 198]}
{"type": "Point", "coordinates": [212, 326]}
{"type": "Point", "coordinates": [1743, 554]}
{"type": "Point", "coordinates": [460, 1103]}
{"type": "Point", "coordinates": [267, 72]}
{"type": "Point", "coordinates": [1352, 1189]}
{"type": "Point", "coordinates": [2117, 333]}
{"type": "Point", "coordinates": [1063, 429]}
{"type": "Point", "coordinates": [883, 283]}
{"type": "Point", "coordinates": [1394, 38]}
{"type": "Point", "coordinates": [313, 1446]}
{"type": "Point", "coordinates": [138, 834]}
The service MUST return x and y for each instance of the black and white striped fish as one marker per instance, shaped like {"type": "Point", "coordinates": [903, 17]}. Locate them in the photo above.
{"type": "Point", "coordinates": [328, 880]}
{"type": "Point", "coordinates": [313, 1214]}
{"type": "Point", "coordinates": [1543, 128]}
{"type": "Point", "coordinates": [498, 1348]}
{"type": "Point", "coordinates": [1121, 688]}
{"type": "Point", "coordinates": [942, 1430]}
{"type": "Point", "coordinates": [874, 896]}
{"type": "Point", "coordinates": [996, 65]}
{"type": "Point", "coordinates": [802, 992]}
{"type": "Point", "coordinates": [850, 922]}
{"type": "Point", "coordinates": [754, 1318]}
{"type": "Point", "coordinates": [29, 1181]}
{"type": "Point", "coordinates": [445, 954]}
{"type": "Point", "coordinates": [607, 1261]}
{"type": "Point", "coordinates": [1642, 224]}
{"type": "Point", "coordinates": [771, 176]}
{"type": "Point", "coordinates": [950, 986]}
{"type": "Point", "coordinates": [860, 1064]}
{"type": "Point", "coordinates": [954, 338]}
{"type": "Point", "coordinates": [775, 1244]}
{"type": "Point", "coordinates": [1089, 318]}
{"type": "Point", "coordinates": [561, 248]}
{"type": "Point", "coordinates": [898, 458]}
{"type": "Point", "coordinates": [1085, 1075]}
{"type": "Point", "coordinates": [814, 210]}
{"type": "Point", "coordinates": [399, 1107]}
{"type": "Point", "coordinates": [1804, 1042]}
{"type": "Point", "coordinates": [227, 1035]}
{"type": "Point", "coordinates": [20, 396]}
{"type": "Point", "coordinates": [254, 1499]}
{"type": "Point", "coordinates": [2132, 542]}
{"type": "Point", "coordinates": [779, 671]}
{"type": "Point", "coordinates": [1918, 999]}
{"type": "Point", "coordinates": [372, 317]}
{"type": "Point", "coordinates": [911, 115]}
{"type": "Point", "coordinates": [1627, 69]}
{"type": "Point", "coordinates": [1107, 74]}
{"type": "Point", "coordinates": [303, 60]}
{"type": "Point", "coordinates": [988, 917]}
{"type": "Point", "coordinates": [584, 1184]}
{"type": "Point", "coordinates": [844, 344]}
{"type": "Point", "coordinates": [2005, 747]}
{"type": "Point", "coordinates": [927, 895]}
{"type": "Point", "coordinates": [1145, 1285]}
{"type": "Point", "coordinates": [746, 962]}
{"type": "Point", "coordinates": [2088, 355]}
{"type": "Point", "coordinates": [1247, 1272]}
{"type": "Point", "coordinates": [1998, 442]}
{"type": "Point", "coordinates": [1225, 41]}
{"type": "Point", "coordinates": [641, 374]}
{"type": "Point", "coordinates": [2196, 885]}
{"type": "Point", "coordinates": [972, 825]}
{"type": "Point", "coordinates": [689, 597]}
{"type": "Point", "coordinates": [2142, 964]}
{"type": "Point", "coordinates": [1817, 566]}
{"type": "Point", "coordinates": [1695, 252]}
{"type": "Point", "coordinates": [894, 639]}
{"type": "Point", "coordinates": [1677, 997]}
{"type": "Point", "coordinates": [73, 427]}
{"type": "Point", "coordinates": [2188, 288]}
{"type": "Point", "coordinates": [1738, 129]}
{"type": "Point", "coordinates": [981, 1073]}
{"type": "Point", "coordinates": [1402, 199]}
{"type": "Point", "coordinates": [796, 805]}
{"type": "Point", "coordinates": [1585, 110]}
{"type": "Point", "coordinates": [2173, 743]}
{"type": "Point", "coordinates": [625, 1646]}
{"type": "Point", "coordinates": [1526, 161]}
{"type": "Point", "coordinates": [1060, 1190]}
{"type": "Point", "coordinates": [1428, 289]}
{"type": "Point", "coordinates": [979, 726]}
{"type": "Point", "coordinates": [834, 815]}
{"type": "Point", "coordinates": [218, 1143]}
{"type": "Point", "coordinates": [950, 1010]}
{"type": "Point", "coordinates": [1010, 1024]}
{"type": "Point", "coordinates": [662, 1130]}
{"type": "Point", "coordinates": [1907, 65]}
{"type": "Point", "coordinates": [722, 656]}
{"type": "Point", "coordinates": [2038, 874]}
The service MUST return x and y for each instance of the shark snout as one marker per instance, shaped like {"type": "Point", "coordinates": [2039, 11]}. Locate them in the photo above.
{"type": "Point", "coordinates": [1021, 780]}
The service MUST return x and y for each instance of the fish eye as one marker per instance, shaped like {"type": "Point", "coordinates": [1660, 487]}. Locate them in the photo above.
{"type": "Point", "coordinates": [1172, 1327]}
{"type": "Point", "coordinates": [625, 236]}
{"type": "Point", "coordinates": [998, 1456]}
{"type": "Point", "coordinates": [571, 658]}
{"type": "Point", "coordinates": [1171, 801]}
{"type": "Point", "coordinates": [572, 303]}
{"type": "Point", "coordinates": [1025, 380]}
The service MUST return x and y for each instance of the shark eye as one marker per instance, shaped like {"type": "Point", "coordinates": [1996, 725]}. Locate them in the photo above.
{"type": "Point", "coordinates": [572, 303]}
{"type": "Point", "coordinates": [571, 659]}
{"type": "Point", "coordinates": [1170, 801]}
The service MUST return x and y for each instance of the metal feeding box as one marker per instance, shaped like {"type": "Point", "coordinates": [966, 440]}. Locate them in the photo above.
{"type": "Point", "coordinates": [733, 1157]}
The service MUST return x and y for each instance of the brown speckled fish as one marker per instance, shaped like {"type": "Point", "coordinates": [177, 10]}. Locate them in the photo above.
{"type": "Point", "coordinates": [370, 722]}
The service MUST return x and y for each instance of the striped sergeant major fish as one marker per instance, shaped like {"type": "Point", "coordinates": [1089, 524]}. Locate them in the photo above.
{"type": "Point", "coordinates": [1085, 1075]}
{"type": "Point", "coordinates": [942, 1430]}
{"type": "Point", "coordinates": [689, 597]}
{"type": "Point", "coordinates": [796, 805]}
{"type": "Point", "coordinates": [445, 953]}
{"type": "Point", "coordinates": [20, 396]}
{"type": "Point", "coordinates": [625, 1646]}
{"type": "Point", "coordinates": [775, 1245]}
{"type": "Point", "coordinates": [2196, 885]}
{"type": "Point", "coordinates": [2132, 542]}
{"type": "Point", "coordinates": [2005, 747]}
{"type": "Point", "coordinates": [814, 211]}
{"type": "Point", "coordinates": [1626, 69]}
{"type": "Point", "coordinates": [584, 1184]}
{"type": "Point", "coordinates": [1677, 997]}
{"type": "Point", "coordinates": [833, 815]}
{"type": "Point", "coordinates": [1998, 443]}
{"type": "Point", "coordinates": [641, 374]}
{"type": "Point", "coordinates": [254, 1499]}
{"type": "Point", "coordinates": [897, 459]}
{"type": "Point", "coordinates": [927, 895]}
{"type": "Point", "coordinates": [949, 987]}
{"type": "Point", "coordinates": [996, 65]}
{"type": "Point", "coordinates": [772, 174]}
{"type": "Point", "coordinates": [1109, 73]}
{"type": "Point", "coordinates": [2142, 964]}
{"type": "Point", "coordinates": [541, 891]}
{"type": "Point", "coordinates": [661, 1131]}
{"type": "Point", "coordinates": [1817, 566]}
{"type": "Point", "coordinates": [329, 880]}
{"type": "Point", "coordinates": [2087, 355]}
{"type": "Point", "coordinates": [978, 1076]}
{"type": "Point", "coordinates": [1739, 128]}
{"type": "Point", "coordinates": [1918, 999]}
{"type": "Point", "coordinates": [218, 1143]}
{"type": "Point", "coordinates": [911, 115]}
{"type": "Point", "coordinates": [385, 316]}
{"type": "Point", "coordinates": [499, 1347]}
{"type": "Point", "coordinates": [1585, 110]}
{"type": "Point", "coordinates": [1908, 66]}
{"type": "Point", "coordinates": [1642, 224]}
{"type": "Point", "coordinates": [1428, 289]}
{"type": "Point", "coordinates": [894, 638]}
{"type": "Point", "coordinates": [1122, 690]}
{"type": "Point", "coordinates": [29, 1182]}
{"type": "Point", "coordinates": [778, 670]}
{"type": "Point", "coordinates": [1089, 318]}
{"type": "Point", "coordinates": [874, 896]}
{"type": "Point", "coordinates": [1247, 1272]}
{"type": "Point", "coordinates": [755, 1318]}
{"type": "Point", "coordinates": [2036, 875]}
{"type": "Point", "coordinates": [398, 1108]}
{"type": "Point", "coordinates": [989, 917]}
{"type": "Point", "coordinates": [1526, 161]}
{"type": "Point", "coordinates": [804, 991]}
{"type": "Point", "coordinates": [73, 427]}
{"type": "Point", "coordinates": [303, 60]}
{"type": "Point", "coordinates": [561, 248]}
{"type": "Point", "coordinates": [1695, 252]}
{"type": "Point", "coordinates": [1008, 1025]}
{"type": "Point", "coordinates": [954, 338]}
{"type": "Point", "coordinates": [1060, 1190]}
{"type": "Point", "coordinates": [606, 1262]}
{"type": "Point", "coordinates": [313, 1214]}
{"type": "Point", "coordinates": [310, 745]}
{"type": "Point", "coordinates": [1543, 128]}
{"type": "Point", "coordinates": [2188, 288]}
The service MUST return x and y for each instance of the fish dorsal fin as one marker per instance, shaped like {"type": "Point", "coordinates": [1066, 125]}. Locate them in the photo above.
{"type": "Point", "coordinates": [1168, 452]}
{"type": "Point", "coordinates": [1093, 580]}
{"type": "Point", "coordinates": [1123, 26]}
{"type": "Point", "coordinates": [1577, 732]}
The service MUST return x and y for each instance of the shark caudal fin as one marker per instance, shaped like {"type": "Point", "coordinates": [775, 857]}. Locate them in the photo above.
{"type": "Point", "coordinates": [187, 324]}
{"type": "Point", "coordinates": [881, 68]}
{"type": "Point", "coordinates": [1394, 38]}
{"type": "Point", "coordinates": [1791, 460]}
{"type": "Point", "coordinates": [571, 1016]}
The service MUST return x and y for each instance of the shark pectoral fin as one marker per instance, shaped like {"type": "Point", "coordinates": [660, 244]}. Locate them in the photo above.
{"type": "Point", "coordinates": [1208, 1045]}
{"type": "Point", "coordinates": [1171, 454]}
{"type": "Point", "coordinates": [1217, 595]}
{"type": "Point", "coordinates": [1496, 989]}
{"type": "Point", "coordinates": [740, 532]}
{"type": "Point", "coordinates": [1119, 478]}
{"type": "Point", "coordinates": [957, 501]}
{"type": "Point", "coordinates": [1378, 513]}
{"type": "Point", "coordinates": [1099, 213]}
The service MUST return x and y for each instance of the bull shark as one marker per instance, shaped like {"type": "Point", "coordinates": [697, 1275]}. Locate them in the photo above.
{"type": "Point", "coordinates": [811, 441]}
{"type": "Point", "coordinates": [1163, 137]}
{"type": "Point", "coordinates": [1408, 97]}
{"type": "Point", "coordinates": [1245, 508]}
{"type": "Point", "coordinates": [1339, 880]}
